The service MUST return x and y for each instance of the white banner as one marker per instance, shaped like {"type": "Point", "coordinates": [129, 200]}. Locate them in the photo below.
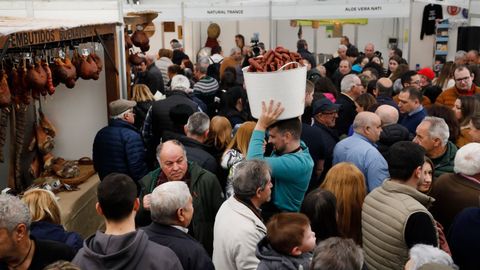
{"type": "Point", "coordinates": [458, 3]}
{"type": "Point", "coordinates": [226, 12]}
{"type": "Point", "coordinates": [341, 11]}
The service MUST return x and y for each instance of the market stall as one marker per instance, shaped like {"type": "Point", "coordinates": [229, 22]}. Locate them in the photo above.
{"type": "Point", "coordinates": [57, 77]}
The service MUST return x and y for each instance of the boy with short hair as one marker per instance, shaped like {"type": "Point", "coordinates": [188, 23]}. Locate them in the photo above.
{"type": "Point", "coordinates": [288, 244]}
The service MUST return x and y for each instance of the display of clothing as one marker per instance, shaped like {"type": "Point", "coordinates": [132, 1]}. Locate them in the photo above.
{"type": "Point", "coordinates": [431, 13]}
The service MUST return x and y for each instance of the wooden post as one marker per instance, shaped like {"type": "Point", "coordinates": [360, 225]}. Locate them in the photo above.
{"type": "Point", "coordinates": [112, 83]}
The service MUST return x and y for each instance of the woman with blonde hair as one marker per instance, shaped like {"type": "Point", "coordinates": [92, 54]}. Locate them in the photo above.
{"type": "Point", "coordinates": [144, 98]}
{"type": "Point", "coordinates": [236, 152]}
{"type": "Point", "coordinates": [219, 136]}
{"type": "Point", "coordinates": [46, 218]}
{"type": "Point", "coordinates": [347, 183]}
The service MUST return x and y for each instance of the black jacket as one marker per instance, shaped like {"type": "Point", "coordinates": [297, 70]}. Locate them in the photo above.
{"type": "Point", "coordinates": [119, 148]}
{"type": "Point", "coordinates": [178, 56]}
{"type": "Point", "coordinates": [386, 100]}
{"type": "Point", "coordinates": [309, 56]}
{"type": "Point", "coordinates": [189, 251]}
{"type": "Point", "coordinates": [312, 136]}
{"type": "Point", "coordinates": [332, 65]}
{"type": "Point", "coordinates": [391, 134]}
{"type": "Point", "coordinates": [152, 78]}
{"type": "Point", "coordinates": [160, 114]}
{"type": "Point", "coordinates": [198, 152]}
{"type": "Point", "coordinates": [329, 138]}
{"type": "Point", "coordinates": [141, 112]}
{"type": "Point", "coordinates": [346, 114]}
{"type": "Point", "coordinates": [45, 253]}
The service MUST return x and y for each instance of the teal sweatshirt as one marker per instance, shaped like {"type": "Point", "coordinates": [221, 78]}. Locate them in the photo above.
{"type": "Point", "coordinates": [291, 172]}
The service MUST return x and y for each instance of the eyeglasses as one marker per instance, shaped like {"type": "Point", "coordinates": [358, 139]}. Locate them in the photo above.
{"type": "Point", "coordinates": [465, 79]}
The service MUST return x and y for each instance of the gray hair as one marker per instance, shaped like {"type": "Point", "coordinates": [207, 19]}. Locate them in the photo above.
{"type": "Point", "coordinates": [342, 47]}
{"type": "Point", "coordinates": [167, 198]}
{"type": "Point", "coordinates": [337, 253]}
{"type": "Point", "coordinates": [249, 176]}
{"type": "Point", "coordinates": [347, 83]}
{"type": "Point", "coordinates": [388, 114]}
{"type": "Point", "coordinates": [122, 115]}
{"type": "Point", "coordinates": [460, 54]}
{"type": "Point", "coordinates": [201, 69]}
{"type": "Point", "coordinates": [438, 128]}
{"type": "Point", "coordinates": [198, 123]}
{"type": "Point", "coordinates": [421, 254]}
{"type": "Point", "coordinates": [202, 65]}
{"type": "Point", "coordinates": [235, 50]}
{"type": "Point", "coordinates": [176, 45]}
{"type": "Point", "coordinates": [467, 159]}
{"type": "Point", "coordinates": [13, 212]}
{"type": "Point", "coordinates": [151, 57]}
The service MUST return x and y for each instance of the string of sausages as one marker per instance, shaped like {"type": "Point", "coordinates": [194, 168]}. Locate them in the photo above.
{"type": "Point", "coordinates": [273, 60]}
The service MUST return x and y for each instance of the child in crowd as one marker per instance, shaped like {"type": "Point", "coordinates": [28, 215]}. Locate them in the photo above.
{"type": "Point", "coordinates": [288, 244]}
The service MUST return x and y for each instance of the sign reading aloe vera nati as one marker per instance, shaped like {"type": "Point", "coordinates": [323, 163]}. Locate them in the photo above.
{"type": "Point", "coordinates": [316, 11]}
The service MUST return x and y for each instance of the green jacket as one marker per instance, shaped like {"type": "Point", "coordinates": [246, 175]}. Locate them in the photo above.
{"type": "Point", "coordinates": [207, 198]}
{"type": "Point", "coordinates": [444, 163]}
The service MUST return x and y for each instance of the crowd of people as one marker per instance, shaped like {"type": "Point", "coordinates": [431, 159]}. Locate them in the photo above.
{"type": "Point", "coordinates": [382, 171]}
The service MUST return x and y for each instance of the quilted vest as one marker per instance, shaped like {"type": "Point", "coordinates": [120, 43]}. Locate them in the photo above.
{"type": "Point", "coordinates": [384, 216]}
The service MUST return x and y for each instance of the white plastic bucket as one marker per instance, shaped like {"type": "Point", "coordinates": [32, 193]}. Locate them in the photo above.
{"type": "Point", "coordinates": [285, 86]}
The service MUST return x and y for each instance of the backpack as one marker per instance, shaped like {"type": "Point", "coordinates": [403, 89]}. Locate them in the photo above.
{"type": "Point", "coordinates": [214, 70]}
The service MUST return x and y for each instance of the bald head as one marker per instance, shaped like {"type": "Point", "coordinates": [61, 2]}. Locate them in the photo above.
{"type": "Point", "coordinates": [172, 158]}
{"type": "Point", "coordinates": [364, 119]}
{"type": "Point", "coordinates": [368, 125]}
{"type": "Point", "coordinates": [384, 86]}
{"type": "Point", "coordinates": [369, 50]}
{"type": "Point", "coordinates": [388, 114]}
{"type": "Point", "coordinates": [171, 146]}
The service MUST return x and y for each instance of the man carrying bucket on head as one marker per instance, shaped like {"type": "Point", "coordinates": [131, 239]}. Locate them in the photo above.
{"type": "Point", "coordinates": [290, 160]}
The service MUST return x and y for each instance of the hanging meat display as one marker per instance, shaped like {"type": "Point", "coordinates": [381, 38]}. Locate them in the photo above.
{"type": "Point", "coordinates": [135, 59]}
{"type": "Point", "coordinates": [98, 62]}
{"type": "Point", "coordinates": [5, 94]}
{"type": "Point", "coordinates": [36, 57]}
{"type": "Point", "coordinates": [4, 114]}
{"type": "Point", "coordinates": [36, 79]}
{"type": "Point", "coordinates": [86, 66]}
{"type": "Point", "coordinates": [47, 125]}
{"type": "Point", "coordinates": [20, 124]}
{"type": "Point", "coordinates": [50, 88]}
{"type": "Point", "coordinates": [140, 39]}
{"type": "Point", "coordinates": [63, 71]}
{"type": "Point", "coordinates": [128, 40]}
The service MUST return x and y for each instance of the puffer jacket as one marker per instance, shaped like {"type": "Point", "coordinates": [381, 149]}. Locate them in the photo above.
{"type": "Point", "coordinates": [119, 148]}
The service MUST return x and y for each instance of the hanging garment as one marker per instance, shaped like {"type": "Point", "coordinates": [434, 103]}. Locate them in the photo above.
{"type": "Point", "coordinates": [430, 14]}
